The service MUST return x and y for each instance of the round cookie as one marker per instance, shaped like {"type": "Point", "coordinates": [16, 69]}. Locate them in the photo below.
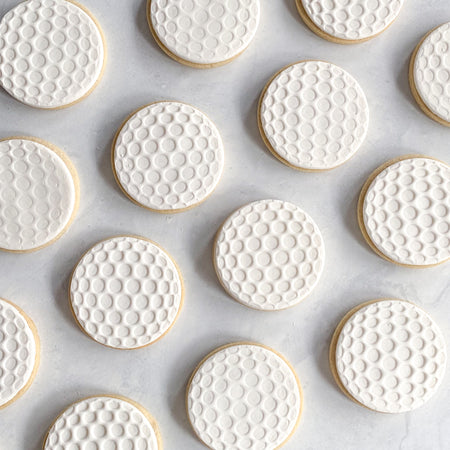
{"type": "Point", "coordinates": [104, 422]}
{"type": "Point", "coordinates": [429, 74]}
{"type": "Point", "coordinates": [52, 53]}
{"type": "Point", "coordinates": [404, 211]}
{"type": "Point", "coordinates": [349, 22]}
{"type": "Point", "coordinates": [19, 353]}
{"type": "Point", "coordinates": [126, 292]}
{"type": "Point", "coordinates": [203, 34]}
{"type": "Point", "coordinates": [269, 255]}
{"type": "Point", "coordinates": [388, 355]}
{"type": "Point", "coordinates": [168, 157]}
{"type": "Point", "coordinates": [39, 194]}
{"type": "Point", "coordinates": [242, 396]}
{"type": "Point", "coordinates": [313, 116]}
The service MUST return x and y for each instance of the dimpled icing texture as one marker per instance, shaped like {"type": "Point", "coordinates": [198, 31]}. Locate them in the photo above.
{"type": "Point", "coordinates": [391, 356]}
{"type": "Point", "coordinates": [269, 255]}
{"type": "Point", "coordinates": [102, 423]}
{"type": "Point", "coordinates": [18, 351]}
{"type": "Point", "coordinates": [51, 53]}
{"type": "Point", "coordinates": [314, 115]}
{"type": "Point", "coordinates": [244, 397]}
{"type": "Point", "coordinates": [205, 31]}
{"type": "Point", "coordinates": [406, 212]}
{"type": "Point", "coordinates": [432, 72]}
{"type": "Point", "coordinates": [168, 156]}
{"type": "Point", "coordinates": [37, 195]}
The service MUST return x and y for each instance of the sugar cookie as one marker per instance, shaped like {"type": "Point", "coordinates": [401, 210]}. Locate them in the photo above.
{"type": "Point", "coordinates": [349, 22]}
{"type": "Point", "coordinates": [19, 353]}
{"type": "Point", "coordinates": [168, 157]}
{"type": "Point", "coordinates": [126, 292]}
{"type": "Point", "coordinates": [104, 422]}
{"type": "Point", "coordinates": [313, 116]}
{"type": "Point", "coordinates": [244, 396]}
{"type": "Point", "coordinates": [404, 211]}
{"type": "Point", "coordinates": [205, 33]}
{"type": "Point", "coordinates": [52, 53]}
{"type": "Point", "coordinates": [388, 355]}
{"type": "Point", "coordinates": [39, 194]}
{"type": "Point", "coordinates": [429, 74]}
{"type": "Point", "coordinates": [269, 255]}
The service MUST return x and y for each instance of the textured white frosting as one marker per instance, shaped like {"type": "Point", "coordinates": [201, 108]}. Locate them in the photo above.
{"type": "Point", "coordinates": [406, 212]}
{"type": "Point", "coordinates": [269, 255]}
{"type": "Point", "coordinates": [37, 195]}
{"type": "Point", "coordinates": [51, 53]}
{"type": "Point", "coordinates": [168, 156]}
{"type": "Point", "coordinates": [126, 292]}
{"type": "Point", "coordinates": [206, 31]}
{"type": "Point", "coordinates": [244, 396]}
{"type": "Point", "coordinates": [314, 115]}
{"type": "Point", "coordinates": [391, 356]}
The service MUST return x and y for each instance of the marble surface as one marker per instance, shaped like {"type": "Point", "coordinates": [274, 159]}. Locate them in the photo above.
{"type": "Point", "coordinates": [73, 366]}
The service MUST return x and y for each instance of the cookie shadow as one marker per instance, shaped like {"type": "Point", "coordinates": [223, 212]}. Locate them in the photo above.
{"type": "Point", "coordinates": [144, 27]}
{"type": "Point", "coordinates": [403, 82]}
{"type": "Point", "coordinates": [205, 263]}
{"type": "Point", "coordinates": [292, 8]}
{"type": "Point", "coordinates": [351, 219]}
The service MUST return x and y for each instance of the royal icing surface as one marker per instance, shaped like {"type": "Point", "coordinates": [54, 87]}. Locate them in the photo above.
{"type": "Point", "coordinates": [38, 195]}
{"type": "Point", "coordinates": [314, 115]}
{"type": "Point", "coordinates": [126, 292]}
{"type": "Point", "coordinates": [269, 255]}
{"type": "Point", "coordinates": [168, 156]}
{"type": "Point", "coordinates": [391, 356]}
{"type": "Point", "coordinates": [51, 53]}
{"type": "Point", "coordinates": [18, 352]}
{"type": "Point", "coordinates": [406, 212]}
{"type": "Point", "coordinates": [244, 396]}
{"type": "Point", "coordinates": [207, 31]}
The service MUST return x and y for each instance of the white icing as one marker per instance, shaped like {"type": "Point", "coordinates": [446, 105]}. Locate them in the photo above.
{"type": "Point", "coordinates": [102, 423]}
{"type": "Point", "coordinates": [206, 31]}
{"type": "Point", "coordinates": [18, 352]}
{"type": "Point", "coordinates": [51, 53]}
{"type": "Point", "coordinates": [315, 115]}
{"type": "Point", "coordinates": [37, 195]}
{"type": "Point", "coordinates": [269, 255]}
{"type": "Point", "coordinates": [406, 212]}
{"type": "Point", "coordinates": [391, 356]}
{"type": "Point", "coordinates": [168, 156]}
{"type": "Point", "coordinates": [244, 396]}
{"type": "Point", "coordinates": [126, 292]}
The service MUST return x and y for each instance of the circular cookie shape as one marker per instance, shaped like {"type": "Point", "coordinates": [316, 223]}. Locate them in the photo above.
{"type": "Point", "coordinates": [126, 292]}
{"type": "Point", "coordinates": [404, 211]}
{"type": "Point", "coordinates": [243, 396]}
{"type": "Point", "coordinates": [168, 157]}
{"type": "Point", "coordinates": [39, 194]}
{"type": "Point", "coordinates": [19, 353]}
{"type": "Point", "coordinates": [349, 22]}
{"type": "Point", "coordinates": [104, 422]}
{"type": "Point", "coordinates": [429, 74]}
{"type": "Point", "coordinates": [313, 116]}
{"type": "Point", "coordinates": [203, 34]}
{"type": "Point", "coordinates": [269, 255]}
{"type": "Point", "coordinates": [52, 53]}
{"type": "Point", "coordinates": [388, 355]}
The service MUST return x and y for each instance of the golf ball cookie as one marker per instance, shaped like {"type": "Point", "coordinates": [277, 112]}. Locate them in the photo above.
{"type": "Point", "coordinates": [38, 194]}
{"type": "Point", "coordinates": [168, 157]}
{"type": "Point", "coordinates": [104, 422]}
{"type": "Point", "coordinates": [126, 292]}
{"type": "Point", "coordinates": [404, 211]}
{"type": "Point", "coordinates": [269, 255]}
{"type": "Point", "coordinates": [19, 353]}
{"type": "Point", "coordinates": [203, 33]}
{"type": "Point", "coordinates": [244, 396]}
{"type": "Point", "coordinates": [351, 21]}
{"type": "Point", "coordinates": [313, 116]}
{"type": "Point", "coordinates": [389, 356]}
